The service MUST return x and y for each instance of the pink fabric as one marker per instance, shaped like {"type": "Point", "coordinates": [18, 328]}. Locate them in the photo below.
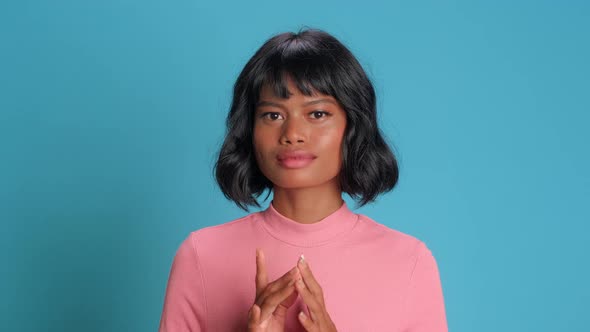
{"type": "Point", "coordinates": [374, 278]}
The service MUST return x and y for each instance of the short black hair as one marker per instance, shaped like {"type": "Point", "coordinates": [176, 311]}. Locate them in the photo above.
{"type": "Point", "coordinates": [317, 62]}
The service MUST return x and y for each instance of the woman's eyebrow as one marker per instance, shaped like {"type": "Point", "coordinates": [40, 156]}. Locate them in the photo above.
{"type": "Point", "coordinates": [319, 101]}
{"type": "Point", "coordinates": [269, 103]}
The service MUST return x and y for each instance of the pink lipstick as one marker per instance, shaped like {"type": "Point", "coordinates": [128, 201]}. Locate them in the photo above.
{"type": "Point", "coordinates": [295, 159]}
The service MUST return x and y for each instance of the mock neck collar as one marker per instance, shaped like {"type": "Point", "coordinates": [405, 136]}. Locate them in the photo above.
{"type": "Point", "coordinates": [321, 232]}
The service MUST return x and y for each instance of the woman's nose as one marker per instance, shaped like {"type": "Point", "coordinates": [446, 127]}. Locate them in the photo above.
{"type": "Point", "coordinates": [293, 131]}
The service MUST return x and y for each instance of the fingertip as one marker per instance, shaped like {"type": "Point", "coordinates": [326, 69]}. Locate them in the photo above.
{"type": "Point", "coordinates": [259, 256]}
{"type": "Point", "coordinates": [302, 263]}
{"type": "Point", "coordinates": [304, 321]}
{"type": "Point", "coordinates": [302, 316]}
{"type": "Point", "coordinates": [260, 253]}
{"type": "Point", "coordinates": [255, 313]}
{"type": "Point", "coordinates": [300, 260]}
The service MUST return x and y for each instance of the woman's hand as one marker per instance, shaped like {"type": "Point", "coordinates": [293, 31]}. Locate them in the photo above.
{"type": "Point", "coordinates": [272, 299]}
{"type": "Point", "coordinates": [313, 297]}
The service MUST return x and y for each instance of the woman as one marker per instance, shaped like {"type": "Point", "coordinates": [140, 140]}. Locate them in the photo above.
{"type": "Point", "coordinates": [303, 126]}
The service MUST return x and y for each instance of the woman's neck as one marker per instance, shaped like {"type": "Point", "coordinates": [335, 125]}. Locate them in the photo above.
{"type": "Point", "coordinates": [307, 205]}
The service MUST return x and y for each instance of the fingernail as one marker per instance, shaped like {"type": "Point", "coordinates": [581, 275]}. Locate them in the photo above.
{"type": "Point", "coordinates": [302, 259]}
{"type": "Point", "coordinates": [302, 316]}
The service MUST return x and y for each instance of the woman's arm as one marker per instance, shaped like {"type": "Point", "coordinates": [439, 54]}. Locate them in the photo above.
{"type": "Point", "coordinates": [424, 306]}
{"type": "Point", "coordinates": [184, 305]}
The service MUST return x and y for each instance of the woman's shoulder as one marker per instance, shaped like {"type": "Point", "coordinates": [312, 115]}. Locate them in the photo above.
{"type": "Point", "coordinates": [390, 237]}
{"type": "Point", "coordinates": [233, 227]}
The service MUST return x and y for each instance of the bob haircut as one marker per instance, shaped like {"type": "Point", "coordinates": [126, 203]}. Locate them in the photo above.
{"type": "Point", "coordinates": [317, 62]}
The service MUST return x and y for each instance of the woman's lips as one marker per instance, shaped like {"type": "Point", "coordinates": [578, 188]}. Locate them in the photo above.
{"type": "Point", "coordinates": [295, 159]}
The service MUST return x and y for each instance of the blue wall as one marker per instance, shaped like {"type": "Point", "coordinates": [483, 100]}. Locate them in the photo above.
{"type": "Point", "coordinates": [111, 113]}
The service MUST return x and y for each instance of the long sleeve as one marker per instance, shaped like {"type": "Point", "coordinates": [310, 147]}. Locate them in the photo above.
{"type": "Point", "coordinates": [185, 305]}
{"type": "Point", "coordinates": [425, 309]}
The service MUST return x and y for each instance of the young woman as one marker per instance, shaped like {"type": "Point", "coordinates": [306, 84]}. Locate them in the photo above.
{"type": "Point", "coordinates": [303, 126]}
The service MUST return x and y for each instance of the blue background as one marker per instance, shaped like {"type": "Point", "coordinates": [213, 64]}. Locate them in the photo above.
{"type": "Point", "coordinates": [112, 112]}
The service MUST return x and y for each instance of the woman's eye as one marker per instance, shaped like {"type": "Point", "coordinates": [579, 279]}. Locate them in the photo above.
{"type": "Point", "coordinates": [319, 114]}
{"type": "Point", "coordinates": [271, 116]}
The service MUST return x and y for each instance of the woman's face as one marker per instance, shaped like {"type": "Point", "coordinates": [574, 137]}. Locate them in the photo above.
{"type": "Point", "coordinates": [298, 140]}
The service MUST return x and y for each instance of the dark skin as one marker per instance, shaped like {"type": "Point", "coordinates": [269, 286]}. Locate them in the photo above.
{"type": "Point", "coordinates": [315, 125]}
{"type": "Point", "coordinates": [274, 299]}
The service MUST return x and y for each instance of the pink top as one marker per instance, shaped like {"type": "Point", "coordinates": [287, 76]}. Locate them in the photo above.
{"type": "Point", "coordinates": [374, 278]}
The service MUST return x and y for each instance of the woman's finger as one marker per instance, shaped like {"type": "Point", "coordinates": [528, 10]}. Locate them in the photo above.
{"type": "Point", "coordinates": [308, 278]}
{"type": "Point", "coordinates": [272, 301]}
{"type": "Point", "coordinates": [318, 318]}
{"type": "Point", "coordinates": [313, 296]}
{"type": "Point", "coordinates": [306, 322]}
{"type": "Point", "coordinates": [254, 316]}
{"type": "Point", "coordinates": [276, 285]}
{"type": "Point", "coordinates": [311, 300]}
{"type": "Point", "coordinates": [261, 276]}
{"type": "Point", "coordinates": [281, 310]}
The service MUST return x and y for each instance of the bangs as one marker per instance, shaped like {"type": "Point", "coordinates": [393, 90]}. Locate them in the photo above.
{"type": "Point", "coordinates": [311, 70]}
